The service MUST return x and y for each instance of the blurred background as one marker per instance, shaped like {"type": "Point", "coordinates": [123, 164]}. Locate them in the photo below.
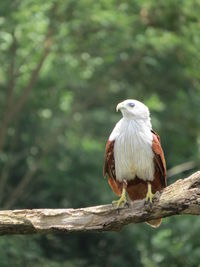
{"type": "Point", "coordinates": [64, 66]}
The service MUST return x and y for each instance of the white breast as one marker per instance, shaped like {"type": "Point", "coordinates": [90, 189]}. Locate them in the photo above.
{"type": "Point", "coordinates": [133, 150]}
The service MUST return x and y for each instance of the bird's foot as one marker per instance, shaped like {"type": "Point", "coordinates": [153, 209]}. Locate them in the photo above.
{"type": "Point", "coordinates": [149, 195]}
{"type": "Point", "coordinates": [122, 201]}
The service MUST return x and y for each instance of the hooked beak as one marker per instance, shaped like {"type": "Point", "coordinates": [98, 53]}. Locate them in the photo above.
{"type": "Point", "coordinates": [120, 106]}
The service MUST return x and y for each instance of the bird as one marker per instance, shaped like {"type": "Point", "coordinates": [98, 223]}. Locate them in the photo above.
{"type": "Point", "coordinates": [134, 160]}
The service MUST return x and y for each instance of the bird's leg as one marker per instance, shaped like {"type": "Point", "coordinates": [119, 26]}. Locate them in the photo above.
{"type": "Point", "coordinates": [149, 195]}
{"type": "Point", "coordinates": [122, 199]}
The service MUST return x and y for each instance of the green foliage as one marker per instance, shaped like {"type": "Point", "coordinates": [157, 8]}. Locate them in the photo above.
{"type": "Point", "coordinates": [64, 67]}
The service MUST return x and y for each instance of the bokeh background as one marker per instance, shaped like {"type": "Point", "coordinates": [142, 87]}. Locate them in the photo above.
{"type": "Point", "coordinates": [64, 65]}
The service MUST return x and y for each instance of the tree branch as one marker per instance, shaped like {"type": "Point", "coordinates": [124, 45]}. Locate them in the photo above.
{"type": "Point", "coordinates": [28, 176]}
{"type": "Point", "coordinates": [182, 197]}
{"type": "Point", "coordinates": [14, 107]}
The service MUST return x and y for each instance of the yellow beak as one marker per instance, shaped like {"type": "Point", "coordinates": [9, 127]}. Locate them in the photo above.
{"type": "Point", "coordinates": [119, 106]}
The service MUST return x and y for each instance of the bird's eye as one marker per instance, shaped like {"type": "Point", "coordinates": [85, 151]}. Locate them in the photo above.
{"type": "Point", "coordinates": [131, 104]}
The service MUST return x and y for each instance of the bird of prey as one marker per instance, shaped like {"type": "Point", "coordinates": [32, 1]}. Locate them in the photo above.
{"type": "Point", "coordinates": [134, 160]}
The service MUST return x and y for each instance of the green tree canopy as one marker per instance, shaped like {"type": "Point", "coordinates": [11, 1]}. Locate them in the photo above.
{"type": "Point", "coordinates": [64, 67]}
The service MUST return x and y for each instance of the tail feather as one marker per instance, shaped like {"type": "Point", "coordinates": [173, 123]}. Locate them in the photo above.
{"type": "Point", "coordinates": [154, 223]}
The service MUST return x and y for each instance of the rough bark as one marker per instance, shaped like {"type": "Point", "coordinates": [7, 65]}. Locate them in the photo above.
{"type": "Point", "coordinates": [182, 197]}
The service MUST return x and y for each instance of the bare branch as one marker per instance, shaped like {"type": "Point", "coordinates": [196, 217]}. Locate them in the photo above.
{"type": "Point", "coordinates": [5, 173]}
{"type": "Point", "coordinates": [33, 78]}
{"type": "Point", "coordinates": [13, 112]}
{"type": "Point", "coordinates": [182, 197]}
{"type": "Point", "coordinates": [20, 187]}
{"type": "Point", "coordinates": [29, 175]}
{"type": "Point", "coordinates": [14, 107]}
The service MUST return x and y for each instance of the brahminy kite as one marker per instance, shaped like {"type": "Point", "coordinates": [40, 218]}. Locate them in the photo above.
{"type": "Point", "coordinates": [134, 160]}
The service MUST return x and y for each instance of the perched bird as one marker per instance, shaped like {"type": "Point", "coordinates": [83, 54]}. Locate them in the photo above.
{"type": "Point", "coordinates": [134, 160]}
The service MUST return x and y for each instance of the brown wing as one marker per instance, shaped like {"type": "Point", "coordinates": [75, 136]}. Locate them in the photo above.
{"type": "Point", "coordinates": [159, 159]}
{"type": "Point", "coordinates": [109, 168]}
{"type": "Point", "coordinates": [109, 163]}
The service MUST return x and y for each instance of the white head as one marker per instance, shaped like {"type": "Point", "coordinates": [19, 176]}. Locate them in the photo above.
{"type": "Point", "coordinates": [134, 109]}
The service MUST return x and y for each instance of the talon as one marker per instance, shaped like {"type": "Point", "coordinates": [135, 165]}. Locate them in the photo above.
{"type": "Point", "coordinates": [121, 201]}
{"type": "Point", "coordinates": [127, 204]}
{"type": "Point", "coordinates": [149, 195]}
